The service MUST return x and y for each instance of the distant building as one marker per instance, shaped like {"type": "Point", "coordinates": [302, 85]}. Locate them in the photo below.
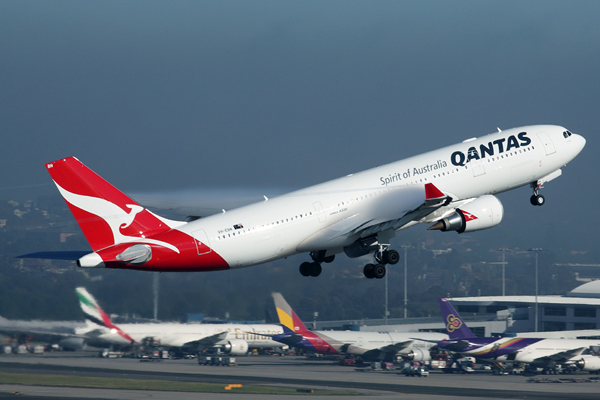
{"type": "Point", "coordinates": [578, 310]}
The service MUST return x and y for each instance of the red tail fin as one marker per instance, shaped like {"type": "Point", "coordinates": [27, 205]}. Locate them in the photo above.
{"type": "Point", "coordinates": [105, 215]}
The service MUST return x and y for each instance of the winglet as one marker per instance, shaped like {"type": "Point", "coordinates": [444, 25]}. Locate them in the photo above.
{"type": "Point", "coordinates": [455, 326]}
{"type": "Point", "coordinates": [287, 317]}
{"type": "Point", "coordinates": [432, 192]}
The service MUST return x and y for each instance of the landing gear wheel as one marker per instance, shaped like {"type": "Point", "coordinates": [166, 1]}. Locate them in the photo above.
{"type": "Point", "coordinates": [379, 271]}
{"type": "Point", "coordinates": [369, 271]}
{"type": "Point", "coordinates": [315, 269]}
{"type": "Point", "coordinates": [391, 257]}
{"type": "Point", "coordinates": [537, 200]}
{"type": "Point", "coordinates": [305, 268]}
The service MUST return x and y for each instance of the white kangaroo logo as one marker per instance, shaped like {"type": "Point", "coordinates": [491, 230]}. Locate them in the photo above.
{"type": "Point", "coordinates": [114, 216]}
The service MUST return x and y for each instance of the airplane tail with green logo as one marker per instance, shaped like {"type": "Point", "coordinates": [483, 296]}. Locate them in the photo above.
{"type": "Point", "coordinates": [95, 314]}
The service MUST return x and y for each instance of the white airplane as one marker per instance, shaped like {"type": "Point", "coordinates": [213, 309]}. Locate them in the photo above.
{"type": "Point", "coordinates": [235, 339]}
{"type": "Point", "coordinates": [452, 188]}
{"type": "Point", "coordinates": [541, 352]}
{"type": "Point", "coordinates": [369, 346]}
{"type": "Point", "coordinates": [99, 331]}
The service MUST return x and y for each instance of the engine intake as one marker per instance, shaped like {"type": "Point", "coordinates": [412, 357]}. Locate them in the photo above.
{"type": "Point", "coordinates": [588, 363]}
{"type": "Point", "coordinates": [416, 354]}
{"type": "Point", "coordinates": [236, 347]}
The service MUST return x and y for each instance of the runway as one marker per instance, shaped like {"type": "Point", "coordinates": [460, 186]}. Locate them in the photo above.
{"type": "Point", "coordinates": [294, 372]}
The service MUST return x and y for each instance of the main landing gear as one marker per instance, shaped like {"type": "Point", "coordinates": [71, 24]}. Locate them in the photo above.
{"type": "Point", "coordinates": [314, 268]}
{"type": "Point", "coordinates": [382, 257]}
{"type": "Point", "coordinates": [537, 199]}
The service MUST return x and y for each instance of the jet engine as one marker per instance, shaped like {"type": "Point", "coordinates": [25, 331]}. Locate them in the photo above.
{"type": "Point", "coordinates": [236, 347]}
{"type": "Point", "coordinates": [417, 355]}
{"type": "Point", "coordinates": [589, 363]}
{"type": "Point", "coordinates": [482, 213]}
{"type": "Point", "coordinates": [72, 343]}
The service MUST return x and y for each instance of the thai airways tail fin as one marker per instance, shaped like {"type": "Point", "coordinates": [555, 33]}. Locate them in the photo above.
{"type": "Point", "coordinates": [455, 326]}
{"type": "Point", "coordinates": [95, 314]}
{"type": "Point", "coordinates": [106, 215]}
{"type": "Point", "coordinates": [287, 317]}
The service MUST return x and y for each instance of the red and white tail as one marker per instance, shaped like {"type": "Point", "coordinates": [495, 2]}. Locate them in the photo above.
{"type": "Point", "coordinates": [106, 215]}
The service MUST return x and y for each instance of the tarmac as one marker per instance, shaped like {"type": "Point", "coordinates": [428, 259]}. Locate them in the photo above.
{"type": "Point", "coordinates": [290, 371]}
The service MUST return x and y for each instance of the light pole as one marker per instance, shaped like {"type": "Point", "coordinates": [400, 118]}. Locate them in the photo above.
{"type": "Point", "coordinates": [504, 250]}
{"type": "Point", "coordinates": [386, 299]}
{"type": "Point", "coordinates": [405, 247]}
{"type": "Point", "coordinates": [536, 250]}
{"type": "Point", "coordinates": [155, 291]}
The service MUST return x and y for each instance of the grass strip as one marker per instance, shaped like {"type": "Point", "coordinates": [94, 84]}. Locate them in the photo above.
{"type": "Point", "coordinates": [145, 384]}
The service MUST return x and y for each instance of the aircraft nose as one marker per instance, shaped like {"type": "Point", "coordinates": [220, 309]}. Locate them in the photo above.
{"type": "Point", "coordinates": [579, 142]}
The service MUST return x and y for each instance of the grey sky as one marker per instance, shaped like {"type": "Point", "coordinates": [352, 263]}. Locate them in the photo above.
{"type": "Point", "coordinates": [172, 95]}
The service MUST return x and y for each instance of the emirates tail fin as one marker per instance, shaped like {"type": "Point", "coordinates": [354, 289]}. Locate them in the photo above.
{"type": "Point", "coordinates": [96, 315]}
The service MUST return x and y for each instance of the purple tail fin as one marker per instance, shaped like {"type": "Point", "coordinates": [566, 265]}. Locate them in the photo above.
{"type": "Point", "coordinates": [455, 326]}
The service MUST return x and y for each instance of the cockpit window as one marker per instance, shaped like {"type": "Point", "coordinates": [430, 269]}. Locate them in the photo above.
{"type": "Point", "coordinates": [566, 134]}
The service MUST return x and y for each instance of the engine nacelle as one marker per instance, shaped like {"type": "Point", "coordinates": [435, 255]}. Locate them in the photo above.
{"type": "Point", "coordinates": [589, 363]}
{"type": "Point", "coordinates": [72, 344]}
{"type": "Point", "coordinates": [417, 354]}
{"type": "Point", "coordinates": [236, 347]}
{"type": "Point", "coordinates": [482, 213]}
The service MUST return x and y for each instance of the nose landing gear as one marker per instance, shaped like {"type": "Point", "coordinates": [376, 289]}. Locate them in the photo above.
{"type": "Point", "coordinates": [537, 199]}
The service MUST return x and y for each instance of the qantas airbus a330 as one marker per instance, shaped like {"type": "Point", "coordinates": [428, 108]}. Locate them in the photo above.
{"type": "Point", "coordinates": [452, 188]}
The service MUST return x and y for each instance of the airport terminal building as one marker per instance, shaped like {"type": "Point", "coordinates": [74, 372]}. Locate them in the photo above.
{"type": "Point", "coordinates": [578, 310]}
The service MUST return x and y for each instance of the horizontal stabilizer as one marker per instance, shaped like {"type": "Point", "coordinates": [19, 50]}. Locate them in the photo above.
{"type": "Point", "coordinates": [57, 255]}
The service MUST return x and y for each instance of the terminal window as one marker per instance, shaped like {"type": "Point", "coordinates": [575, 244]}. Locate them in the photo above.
{"type": "Point", "coordinates": [585, 312]}
{"type": "Point", "coordinates": [468, 309]}
{"type": "Point", "coordinates": [555, 311]}
{"type": "Point", "coordinates": [584, 325]}
{"type": "Point", "coordinates": [554, 326]}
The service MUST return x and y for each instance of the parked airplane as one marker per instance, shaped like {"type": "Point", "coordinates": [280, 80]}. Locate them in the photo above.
{"type": "Point", "coordinates": [452, 188]}
{"type": "Point", "coordinates": [369, 346]}
{"type": "Point", "coordinates": [230, 338]}
{"type": "Point", "coordinates": [63, 333]}
{"type": "Point", "coordinates": [538, 352]}
{"type": "Point", "coordinates": [98, 330]}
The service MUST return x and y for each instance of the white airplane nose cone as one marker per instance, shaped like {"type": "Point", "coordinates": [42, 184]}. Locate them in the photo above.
{"type": "Point", "coordinates": [580, 143]}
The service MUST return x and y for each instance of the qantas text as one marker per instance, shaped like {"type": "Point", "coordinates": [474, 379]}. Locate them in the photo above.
{"type": "Point", "coordinates": [459, 158]}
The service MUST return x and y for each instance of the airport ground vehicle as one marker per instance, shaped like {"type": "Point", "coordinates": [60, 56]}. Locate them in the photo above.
{"type": "Point", "coordinates": [420, 371]}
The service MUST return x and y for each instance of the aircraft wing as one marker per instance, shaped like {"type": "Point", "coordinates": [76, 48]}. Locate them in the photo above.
{"type": "Point", "coordinates": [209, 341]}
{"type": "Point", "coordinates": [561, 356]}
{"type": "Point", "coordinates": [432, 200]}
{"type": "Point", "coordinates": [391, 210]}
{"type": "Point", "coordinates": [58, 329]}
{"type": "Point", "coordinates": [380, 352]}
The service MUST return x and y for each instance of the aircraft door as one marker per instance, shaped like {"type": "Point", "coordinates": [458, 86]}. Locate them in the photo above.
{"type": "Point", "coordinates": [548, 145]}
{"type": "Point", "coordinates": [320, 212]}
{"type": "Point", "coordinates": [202, 243]}
{"type": "Point", "coordinates": [477, 167]}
